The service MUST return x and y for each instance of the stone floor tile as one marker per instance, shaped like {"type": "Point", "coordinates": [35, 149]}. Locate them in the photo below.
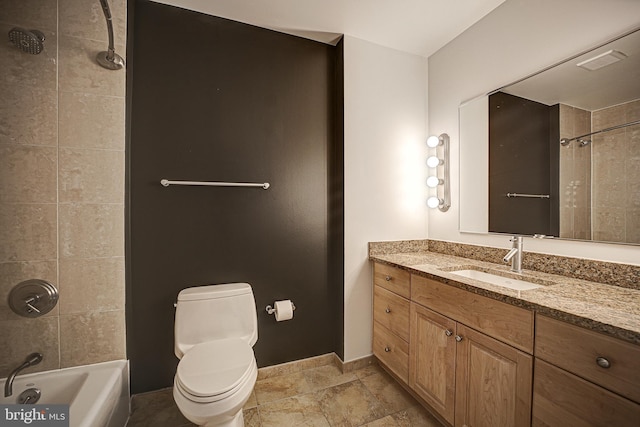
{"type": "Point", "coordinates": [387, 421]}
{"type": "Point", "coordinates": [349, 405]}
{"type": "Point", "coordinates": [156, 409]}
{"type": "Point", "coordinates": [326, 376]}
{"type": "Point", "coordinates": [388, 392]}
{"type": "Point", "coordinates": [414, 417]}
{"type": "Point", "coordinates": [298, 411]}
{"type": "Point", "coordinates": [280, 387]}
{"type": "Point", "coordinates": [251, 417]}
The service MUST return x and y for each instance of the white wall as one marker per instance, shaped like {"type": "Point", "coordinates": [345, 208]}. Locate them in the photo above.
{"type": "Point", "coordinates": [384, 154]}
{"type": "Point", "coordinates": [516, 39]}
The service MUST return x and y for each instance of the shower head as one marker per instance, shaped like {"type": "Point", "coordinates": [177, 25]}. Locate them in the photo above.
{"type": "Point", "coordinates": [29, 41]}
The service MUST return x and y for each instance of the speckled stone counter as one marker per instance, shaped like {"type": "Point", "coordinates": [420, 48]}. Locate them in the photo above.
{"type": "Point", "coordinates": [605, 308]}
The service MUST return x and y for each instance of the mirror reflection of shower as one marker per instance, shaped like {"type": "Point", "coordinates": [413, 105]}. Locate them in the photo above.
{"type": "Point", "coordinates": [109, 59]}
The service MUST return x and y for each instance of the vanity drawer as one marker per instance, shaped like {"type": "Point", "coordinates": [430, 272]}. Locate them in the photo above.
{"type": "Point", "coordinates": [393, 279]}
{"type": "Point", "coordinates": [505, 322]}
{"type": "Point", "coordinates": [392, 351]}
{"type": "Point", "coordinates": [391, 311]}
{"type": "Point", "coordinates": [578, 350]}
{"type": "Point", "coordinates": [563, 399]}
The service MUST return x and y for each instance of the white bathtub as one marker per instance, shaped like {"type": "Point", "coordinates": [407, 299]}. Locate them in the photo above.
{"type": "Point", "coordinates": [98, 394]}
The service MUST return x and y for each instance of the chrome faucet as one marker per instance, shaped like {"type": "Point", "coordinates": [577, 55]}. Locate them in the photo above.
{"type": "Point", "coordinates": [32, 359]}
{"type": "Point", "coordinates": [515, 254]}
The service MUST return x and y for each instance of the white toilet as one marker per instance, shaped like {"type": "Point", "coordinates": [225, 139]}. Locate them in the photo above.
{"type": "Point", "coordinates": [215, 329]}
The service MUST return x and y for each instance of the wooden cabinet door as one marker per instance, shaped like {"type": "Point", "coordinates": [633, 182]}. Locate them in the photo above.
{"type": "Point", "coordinates": [493, 382]}
{"type": "Point", "coordinates": [432, 354]}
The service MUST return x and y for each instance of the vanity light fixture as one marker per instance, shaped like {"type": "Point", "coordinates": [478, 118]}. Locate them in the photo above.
{"type": "Point", "coordinates": [439, 162]}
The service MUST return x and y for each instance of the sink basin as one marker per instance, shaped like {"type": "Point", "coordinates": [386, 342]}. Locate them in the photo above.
{"type": "Point", "coordinates": [506, 282]}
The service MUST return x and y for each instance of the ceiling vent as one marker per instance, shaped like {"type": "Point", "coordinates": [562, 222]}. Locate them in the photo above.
{"type": "Point", "coordinates": [602, 60]}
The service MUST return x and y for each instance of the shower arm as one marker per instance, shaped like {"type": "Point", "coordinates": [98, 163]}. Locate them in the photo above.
{"type": "Point", "coordinates": [107, 14]}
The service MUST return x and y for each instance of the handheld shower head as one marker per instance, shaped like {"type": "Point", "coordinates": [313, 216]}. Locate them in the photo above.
{"type": "Point", "coordinates": [109, 59]}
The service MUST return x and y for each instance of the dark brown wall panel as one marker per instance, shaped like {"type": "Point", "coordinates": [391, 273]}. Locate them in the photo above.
{"type": "Point", "coordinates": [519, 162]}
{"type": "Point", "coordinates": [216, 100]}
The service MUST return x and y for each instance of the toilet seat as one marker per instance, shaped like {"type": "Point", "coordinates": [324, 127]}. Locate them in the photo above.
{"type": "Point", "coordinates": [213, 371]}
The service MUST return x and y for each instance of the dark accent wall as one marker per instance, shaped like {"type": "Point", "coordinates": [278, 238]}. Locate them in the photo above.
{"type": "Point", "coordinates": [216, 100]}
{"type": "Point", "coordinates": [520, 161]}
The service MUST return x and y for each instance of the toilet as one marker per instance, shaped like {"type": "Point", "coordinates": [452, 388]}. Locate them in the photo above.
{"type": "Point", "coordinates": [216, 327]}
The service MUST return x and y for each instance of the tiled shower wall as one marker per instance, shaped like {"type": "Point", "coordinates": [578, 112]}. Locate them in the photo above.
{"type": "Point", "coordinates": [575, 175]}
{"type": "Point", "coordinates": [62, 183]}
{"type": "Point", "coordinates": [616, 172]}
{"type": "Point", "coordinates": [600, 182]}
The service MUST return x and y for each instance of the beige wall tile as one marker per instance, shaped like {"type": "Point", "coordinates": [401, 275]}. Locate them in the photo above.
{"type": "Point", "coordinates": [91, 338]}
{"type": "Point", "coordinates": [28, 115]}
{"type": "Point", "coordinates": [608, 117]}
{"type": "Point", "coordinates": [633, 225]}
{"type": "Point", "coordinates": [609, 224]}
{"type": "Point", "coordinates": [79, 71]}
{"type": "Point", "coordinates": [12, 273]}
{"type": "Point", "coordinates": [91, 176]}
{"type": "Point", "coordinates": [633, 111]}
{"type": "Point", "coordinates": [27, 174]}
{"type": "Point", "coordinates": [91, 230]}
{"type": "Point", "coordinates": [91, 285]}
{"type": "Point", "coordinates": [23, 69]}
{"type": "Point", "coordinates": [24, 336]}
{"type": "Point", "coordinates": [85, 19]}
{"type": "Point", "coordinates": [28, 232]}
{"type": "Point", "coordinates": [91, 121]}
{"type": "Point", "coordinates": [29, 14]}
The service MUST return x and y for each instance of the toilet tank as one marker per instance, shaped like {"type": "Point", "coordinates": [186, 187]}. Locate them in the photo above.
{"type": "Point", "coordinates": [208, 313]}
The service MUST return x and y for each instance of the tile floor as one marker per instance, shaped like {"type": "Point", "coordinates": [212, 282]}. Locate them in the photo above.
{"type": "Point", "coordinates": [317, 396]}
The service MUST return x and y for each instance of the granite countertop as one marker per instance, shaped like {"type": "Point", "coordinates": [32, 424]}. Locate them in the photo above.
{"type": "Point", "coordinates": [609, 309]}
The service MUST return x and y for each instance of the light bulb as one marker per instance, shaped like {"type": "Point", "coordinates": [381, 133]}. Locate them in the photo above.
{"type": "Point", "coordinates": [433, 181]}
{"type": "Point", "coordinates": [434, 162]}
{"type": "Point", "coordinates": [433, 141]}
{"type": "Point", "coordinates": [433, 202]}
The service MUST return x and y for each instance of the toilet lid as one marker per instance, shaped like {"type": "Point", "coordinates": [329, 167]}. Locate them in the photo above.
{"type": "Point", "coordinates": [213, 368]}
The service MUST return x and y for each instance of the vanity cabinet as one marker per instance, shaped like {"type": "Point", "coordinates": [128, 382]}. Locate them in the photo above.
{"type": "Point", "coordinates": [583, 377]}
{"type": "Point", "coordinates": [466, 355]}
{"type": "Point", "coordinates": [470, 378]}
{"type": "Point", "coordinates": [392, 288]}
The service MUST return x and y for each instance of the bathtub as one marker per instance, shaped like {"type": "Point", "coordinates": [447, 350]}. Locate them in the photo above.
{"type": "Point", "coordinates": [98, 395]}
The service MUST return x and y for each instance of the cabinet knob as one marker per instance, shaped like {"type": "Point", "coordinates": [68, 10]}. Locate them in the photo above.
{"type": "Point", "coordinates": [458, 338]}
{"type": "Point", "coordinates": [603, 363]}
{"type": "Point", "coordinates": [448, 333]}
{"type": "Point", "coordinates": [387, 310]}
{"type": "Point", "coordinates": [387, 349]}
{"type": "Point", "coordinates": [387, 278]}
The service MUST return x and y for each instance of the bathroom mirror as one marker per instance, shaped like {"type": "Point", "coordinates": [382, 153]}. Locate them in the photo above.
{"type": "Point", "coordinates": [588, 151]}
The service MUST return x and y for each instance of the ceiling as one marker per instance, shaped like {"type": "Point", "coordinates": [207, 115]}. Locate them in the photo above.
{"type": "Point", "coordinates": [568, 84]}
{"type": "Point", "coordinates": [420, 27]}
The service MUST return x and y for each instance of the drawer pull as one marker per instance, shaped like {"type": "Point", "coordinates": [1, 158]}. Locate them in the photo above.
{"type": "Point", "coordinates": [387, 349]}
{"type": "Point", "coordinates": [603, 363]}
{"type": "Point", "coordinates": [387, 278]}
{"type": "Point", "coordinates": [448, 333]}
{"type": "Point", "coordinates": [458, 338]}
{"type": "Point", "coordinates": [387, 310]}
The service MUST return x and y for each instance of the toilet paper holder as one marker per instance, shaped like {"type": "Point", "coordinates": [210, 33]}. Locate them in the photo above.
{"type": "Point", "coordinates": [271, 310]}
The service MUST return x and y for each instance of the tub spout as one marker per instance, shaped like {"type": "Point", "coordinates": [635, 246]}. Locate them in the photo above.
{"type": "Point", "coordinates": [32, 359]}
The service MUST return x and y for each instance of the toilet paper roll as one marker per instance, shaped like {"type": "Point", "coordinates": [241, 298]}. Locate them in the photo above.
{"type": "Point", "coordinates": [284, 310]}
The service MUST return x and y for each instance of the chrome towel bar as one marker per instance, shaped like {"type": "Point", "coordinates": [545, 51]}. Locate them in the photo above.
{"type": "Point", "coordinates": [264, 185]}
{"type": "Point", "coordinates": [535, 196]}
